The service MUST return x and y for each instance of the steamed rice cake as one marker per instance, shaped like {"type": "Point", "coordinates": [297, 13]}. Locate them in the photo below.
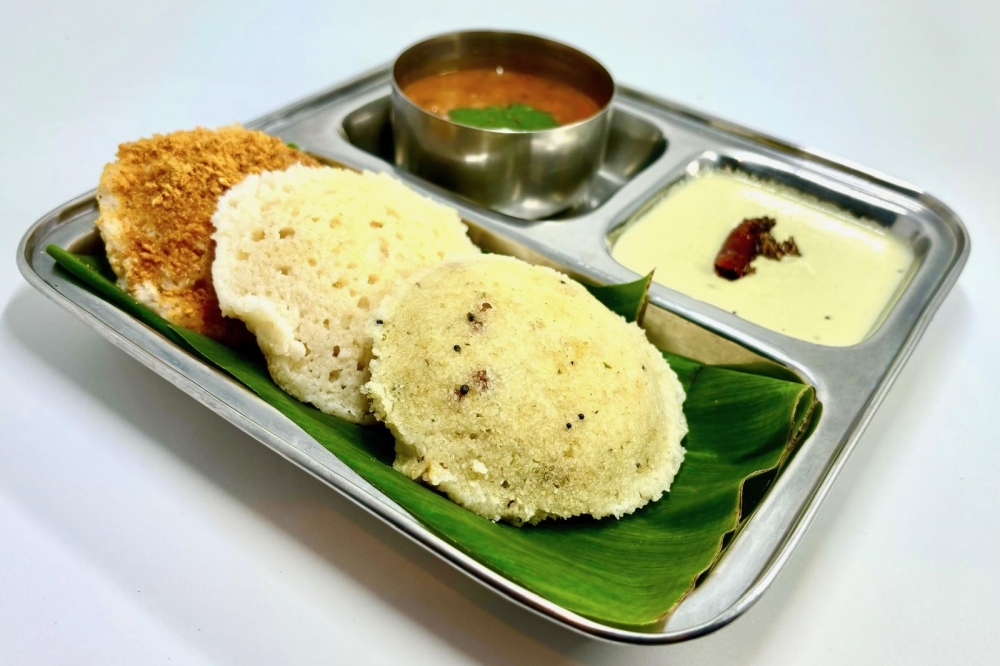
{"type": "Point", "coordinates": [304, 255]}
{"type": "Point", "coordinates": [512, 390]}
{"type": "Point", "coordinates": [156, 203]}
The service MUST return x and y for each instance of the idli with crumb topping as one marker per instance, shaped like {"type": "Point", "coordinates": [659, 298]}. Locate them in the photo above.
{"type": "Point", "coordinates": [512, 390]}
{"type": "Point", "coordinates": [304, 255]}
{"type": "Point", "coordinates": [156, 203]}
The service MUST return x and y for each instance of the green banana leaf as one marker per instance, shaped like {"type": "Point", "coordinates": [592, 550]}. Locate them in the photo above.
{"type": "Point", "coordinates": [630, 572]}
{"type": "Point", "coordinates": [628, 300]}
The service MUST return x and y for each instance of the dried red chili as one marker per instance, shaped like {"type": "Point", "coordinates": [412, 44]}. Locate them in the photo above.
{"type": "Point", "coordinates": [750, 238]}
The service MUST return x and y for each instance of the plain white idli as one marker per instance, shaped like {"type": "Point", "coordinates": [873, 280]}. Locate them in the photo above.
{"type": "Point", "coordinates": [304, 255]}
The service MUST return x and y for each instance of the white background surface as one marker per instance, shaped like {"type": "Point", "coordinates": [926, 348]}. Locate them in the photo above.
{"type": "Point", "coordinates": [138, 527]}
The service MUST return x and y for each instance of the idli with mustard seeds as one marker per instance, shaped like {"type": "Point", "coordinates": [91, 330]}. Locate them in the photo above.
{"type": "Point", "coordinates": [512, 390]}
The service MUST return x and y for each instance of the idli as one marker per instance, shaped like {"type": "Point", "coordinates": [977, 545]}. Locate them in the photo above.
{"type": "Point", "coordinates": [512, 390]}
{"type": "Point", "coordinates": [304, 255]}
{"type": "Point", "coordinates": [156, 203]}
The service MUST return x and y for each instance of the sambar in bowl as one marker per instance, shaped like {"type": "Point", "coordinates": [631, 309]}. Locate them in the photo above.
{"type": "Point", "coordinates": [514, 122]}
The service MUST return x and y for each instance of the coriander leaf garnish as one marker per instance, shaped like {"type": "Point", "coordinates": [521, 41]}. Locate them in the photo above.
{"type": "Point", "coordinates": [514, 117]}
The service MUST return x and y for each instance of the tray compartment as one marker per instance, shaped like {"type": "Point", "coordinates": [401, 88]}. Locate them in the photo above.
{"type": "Point", "coordinates": [633, 144]}
{"type": "Point", "coordinates": [815, 192]}
{"type": "Point", "coordinates": [75, 231]}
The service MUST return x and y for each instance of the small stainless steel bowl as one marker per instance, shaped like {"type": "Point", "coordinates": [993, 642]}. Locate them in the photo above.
{"type": "Point", "coordinates": [526, 174]}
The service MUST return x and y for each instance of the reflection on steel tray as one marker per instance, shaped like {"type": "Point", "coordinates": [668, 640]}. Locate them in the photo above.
{"type": "Point", "coordinates": [652, 144]}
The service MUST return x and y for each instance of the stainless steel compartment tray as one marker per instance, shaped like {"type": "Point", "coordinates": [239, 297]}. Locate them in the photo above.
{"type": "Point", "coordinates": [660, 141]}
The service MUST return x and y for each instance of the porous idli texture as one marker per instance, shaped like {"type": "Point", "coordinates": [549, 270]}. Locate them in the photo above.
{"type": "Point", "coordinates": [304, 255]}
{"type": "Point", "coordinates": [511, 389]}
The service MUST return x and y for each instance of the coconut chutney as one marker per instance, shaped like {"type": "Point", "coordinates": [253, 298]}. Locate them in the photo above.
{"type": "Point", "coordinates": [849, 272]}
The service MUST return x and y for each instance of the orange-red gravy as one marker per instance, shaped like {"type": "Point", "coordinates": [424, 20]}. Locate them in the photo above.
{"type": "Point", "coordinates": [480, 88]}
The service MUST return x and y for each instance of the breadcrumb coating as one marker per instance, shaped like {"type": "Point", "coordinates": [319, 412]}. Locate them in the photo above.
{"type": "Point", "coordinates": [156, 203]}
